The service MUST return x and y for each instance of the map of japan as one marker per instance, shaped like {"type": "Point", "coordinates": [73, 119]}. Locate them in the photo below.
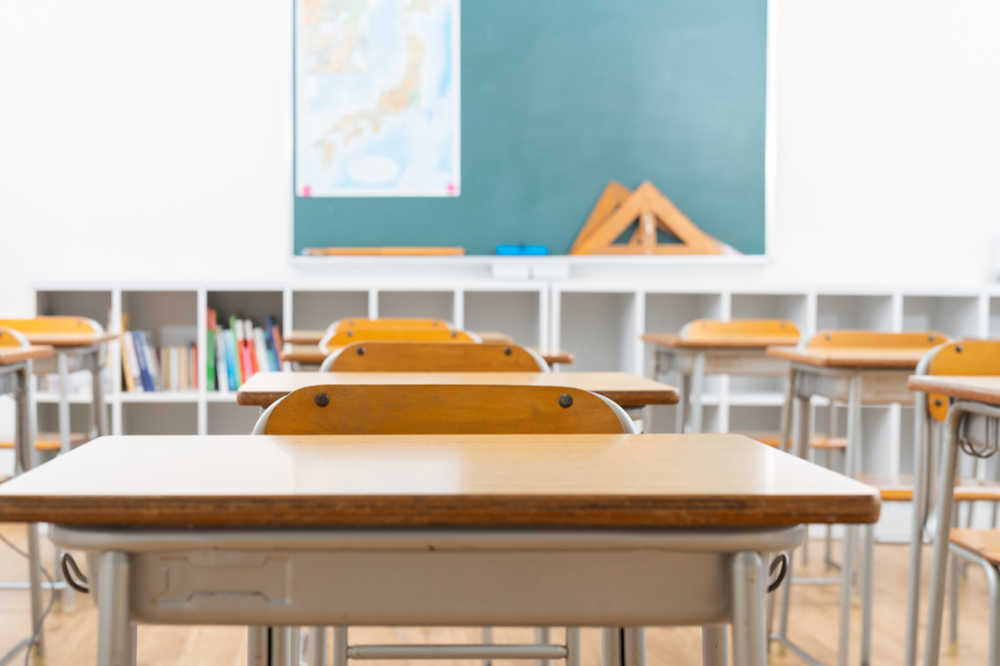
{"type": "Point", "coordinates": [377, 98]}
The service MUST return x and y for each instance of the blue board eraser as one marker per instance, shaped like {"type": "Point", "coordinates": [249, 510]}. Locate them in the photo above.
{"type": "Point", "coordinates": [521, 250]}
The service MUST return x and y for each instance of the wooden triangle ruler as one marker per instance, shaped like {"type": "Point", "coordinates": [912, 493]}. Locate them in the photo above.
{"type": "Point", "coordinates": [618, 208]}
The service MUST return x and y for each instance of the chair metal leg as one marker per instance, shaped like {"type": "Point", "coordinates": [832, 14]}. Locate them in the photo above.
{"type": "Point", "coordinates": [340, 646]}
{"type": "Point", "coordinates": [317, 646]}
{"type": "Point", "coordinates": [543, 636]}
{"type": "Point", "coordinates": [954, 571]}
{"type": "Point", "coordinates": [612, 647]}
{"type": "Point", "coordinates": [573, 657]}
{"type": "Point", "coordinates": [486, 636]}
{"type": "Point", "coordinates": [634, 642]}
{"type": "Point", "coordinates": [697, 394]}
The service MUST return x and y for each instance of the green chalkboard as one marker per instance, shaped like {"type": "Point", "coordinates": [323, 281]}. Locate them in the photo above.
{"type": "Point", "coordinates": [560, 96]}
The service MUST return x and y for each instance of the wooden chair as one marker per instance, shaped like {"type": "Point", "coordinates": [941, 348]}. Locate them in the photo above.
{"type": "Point", "coordinates": [439, 409]}
{"type": "Point", "coordinates": [442, 409]}
{"type": "Point", "coordinates": [360, 323]}
{"type": "Point", "coordinates": [335, 339]}
{"type": "Point", "coordinates": [966, 358]}
{"type": "Point", "coordinates": [388, 356]}
{"type": "Point", "coordinates": [44, 441]}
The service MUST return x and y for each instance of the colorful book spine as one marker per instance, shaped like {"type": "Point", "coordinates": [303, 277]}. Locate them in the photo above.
{"type": "Point", "coordinates": [222, 371]}
{"type": "Point", "coordinates": [140, 353]}
{"type": "Point", "coordinates": [210, 359]}
{"type": "Point", "coordinates": [126, 363]}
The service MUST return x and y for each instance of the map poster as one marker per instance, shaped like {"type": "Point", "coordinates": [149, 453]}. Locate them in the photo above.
{"type": "Point", "coordinates": [377, 98]}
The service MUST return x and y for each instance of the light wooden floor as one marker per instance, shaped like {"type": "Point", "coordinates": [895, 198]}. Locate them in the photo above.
{"type": "Point", "coordinates": [71, 637]}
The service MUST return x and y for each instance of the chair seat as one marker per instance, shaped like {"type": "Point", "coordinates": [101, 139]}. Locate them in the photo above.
{"type": "Point", "coordinates": [899, 488]}
{"type": "Point", "coordinates": [48, 441]}
{"type": "Point", "coordinates": [986, 543]}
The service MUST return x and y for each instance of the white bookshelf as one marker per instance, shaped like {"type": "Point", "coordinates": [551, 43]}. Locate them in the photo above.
{"type": "Point", "coordinates": [599, 320]}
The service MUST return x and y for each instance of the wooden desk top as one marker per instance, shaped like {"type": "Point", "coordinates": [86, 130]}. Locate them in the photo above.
{"type": "Point", "coordinates": [304, 337]}
{"type": "Point", "coordinates": [313, 355]}
{"type": "Point", "coordinates": [434, 481]}
{"type": "Point", "coordinates": [884, 358]}
{"type": "Point", "coordinates": [741, 342]}
{"type": "Point", "coordinates": [978, 389]}
{"type": "Point", "coordinates": [10, 355]}
{"type": "Point", "coordinates": [69, 339]}
{"type": "Point", "coordinates": [621, 387]}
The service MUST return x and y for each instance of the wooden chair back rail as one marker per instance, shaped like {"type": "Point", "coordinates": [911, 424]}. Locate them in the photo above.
{"type": "Point", "coordinates": [870, 339]}
{"type": "Point", "coordinates": [79, 325]}
{"type": "Point", "coordinates": [961, 358]}
{"type": "Point", "coordinates": [336, 339]}
{"type": "Point", "coordinates": [708, 330]}
{"type": "Point", "coordinates": [12, 338]}
{"type": "Point", "coordinates": [357, 323]}
{"type": "Point", "coordinates": [391, 356]}
{"type": "Point", "coordinates": [442, 409]}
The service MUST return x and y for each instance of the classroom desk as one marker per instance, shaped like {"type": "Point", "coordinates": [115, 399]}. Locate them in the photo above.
{"type": "Point", "coordinates": [694, 359]}
{"type": "Point", "coordinates": [974, 416]}
{"type": "Point", "coordinates": [489, 530]}
{"type": "Point", "coordinates": [856, 376]}
{"type": "Point", "coordinates": [15, 379]}
{"type": "Point", "coordinates": [75, 352]}
{"type": "Point", "coordinates": [630, 392]}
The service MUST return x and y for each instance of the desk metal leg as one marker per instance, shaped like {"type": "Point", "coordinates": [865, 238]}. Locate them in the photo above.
{"type": "Point", "coordinates": [486, 636]}
{"type": "Point", "coordinates": [919, 509]}
{"type": "Point", "coordinates": [715, 645]}
{"type": "Point", "coordinates": [801, 449]}
{"type": "Point", "coordinates": [786, 412]}
{"type": "Point", "coordinates": [850, 531]}
{"type": "Point", "coordinates": [634, 646]}
{"type": "Point", "coordinates": [682, 405]}
{"type": "Point", "coordinates": [115, 644]}
{"type": "Point", "coordinates": [97, 404]}
{"type": "Point", "coordinates": [697, 393]}
{"type": "Point", "coordinates": [943, 510]}
{"type": "Point", "coordinates": [749, 641]}
{"type": "Point", "coordinates": [867, 585]}
{"type": "Point", "coordinates": [257, 647]}
{"type": "Point", "coordinates": [25, 440]}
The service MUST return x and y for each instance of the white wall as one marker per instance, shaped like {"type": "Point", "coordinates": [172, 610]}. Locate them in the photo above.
{"type": "Point", "coordinates": [151, 142]}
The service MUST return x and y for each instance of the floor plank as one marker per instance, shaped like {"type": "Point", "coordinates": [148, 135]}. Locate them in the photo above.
{"type": "Point", "coordinates": [72, 636]}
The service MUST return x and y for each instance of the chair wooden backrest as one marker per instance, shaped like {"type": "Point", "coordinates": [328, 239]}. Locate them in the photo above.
{"type": "Point", "coordinates": [869, 339]}
{"type": "Point", "coordinates": [391, 356]}
{"type": "Point", "coordinates": [960, 358]}
{"type": "Point", "coordinates": [12, 338]}
{"type": "Point", "coordinates": [357, 323]}
{"type": "Point", "coordinates": [54, 325]}
{"type": "Point", "coordinates": [336, 339]}
{"type": "Point", "coordinates": [774, 331]}
{"type": "Point", "coordinates": [442, 409]}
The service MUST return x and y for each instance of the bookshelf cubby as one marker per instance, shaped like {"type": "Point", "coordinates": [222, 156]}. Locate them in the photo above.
{"type": "Point", "coordinates": [600, 322]}
{"type": "Point", "coordinates": [867, 313]}
{"type": "Point", "coordinates": [315, 310]}
{"type": "Point", "coordinates": [956, 316]}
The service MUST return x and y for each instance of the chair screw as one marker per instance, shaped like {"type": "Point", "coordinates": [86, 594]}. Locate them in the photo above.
{"type": "Point", "coordinates": [507, 351]}
{"type": "Point", "coordinates": [361, 351]}
{"type": "Point", "coordinates": [322, 399]}
{"type": "Point", "coordinates": [565, 400]}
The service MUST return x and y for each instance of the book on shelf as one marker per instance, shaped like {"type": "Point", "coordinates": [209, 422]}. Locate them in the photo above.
{"type": "Point", "coordinates": [234, 354]}
{"type": "Point", "coordinates": [149, 369]}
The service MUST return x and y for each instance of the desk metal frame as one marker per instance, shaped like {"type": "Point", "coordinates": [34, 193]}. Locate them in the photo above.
{"type": "Point", "coordinates": [561, 577]}
{"type": "Point", "coordinates": [63, 362]}
{"type": "Point", "coordinates": [855, 387]}
{"type": "Point", "coordinates": [694, 363]}
{"type": "Point", "coordinates": [15, 380]}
